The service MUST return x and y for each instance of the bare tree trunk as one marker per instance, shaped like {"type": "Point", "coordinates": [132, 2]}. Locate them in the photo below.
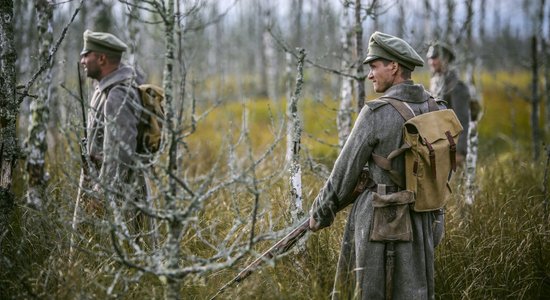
{"type": "Point", "coordinates": [475, 100]}
{"type": "Point", "coordinates": [401, 19]}
{"type": "Point", "coordinates": [9, 108]}
{"type": "Point", "coordinates": [134, 33]}
{"type": "Point", "coordinates": [545, 50]}
{"type": "Point", "coordinates": [436, 28]}
{"type": "Point", "coordinates": [296, 210]}
{"type": "Point", "coordinates": [270, 57]}
{"type": "Point", "coordinates": [37, 143]}
{"type": "Point", "coordinates": [449, 28]}
{"type": "Point", "coordinates": [535, 99]}
{"type": "Point", "coordinates": [343, 119]}
{"type": "Point", "coordinates": [100, 15]}
{"type": "Point", "coordinates": [428, 33]}
{"type": "Point", "coordinates": [172, 289]}
{"type": "Point", "coordinates": [298, 11]}
{"type": "Point", "coordinates": [359, 56]}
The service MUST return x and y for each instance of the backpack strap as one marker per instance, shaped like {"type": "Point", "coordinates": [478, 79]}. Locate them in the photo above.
{"type": "Point", "coordinates": [432, 104]}
{"type": "Point", "coordinates": [407, 113]}
{"type": "Point", "coordinates": [403, 108]}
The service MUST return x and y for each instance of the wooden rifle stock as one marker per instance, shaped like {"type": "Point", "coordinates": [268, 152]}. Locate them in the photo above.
{"type": "Point", "coordinates": [282, 246]}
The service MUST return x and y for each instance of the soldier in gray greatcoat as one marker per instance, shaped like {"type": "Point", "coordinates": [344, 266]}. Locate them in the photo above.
{"type": "Point", "coordinates": [446, 85]}
{"type": "Point", "coordinates": [378, 130]}
{"type": "Point", "coordinates": [113, 117]}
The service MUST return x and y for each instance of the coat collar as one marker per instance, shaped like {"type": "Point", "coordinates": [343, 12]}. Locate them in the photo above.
{"type": "Point", "coordinates": [408, 91]}
{"type": "Point", "coordinates": [123, 73]}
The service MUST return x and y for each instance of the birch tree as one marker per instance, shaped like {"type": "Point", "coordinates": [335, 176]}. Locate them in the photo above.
{"type": "Point", "coordinates": [449, 28]}
{"type": "Point", "coordinates": [472, 63]}
{"type": "Point", "coordinates": [9, 108]}
{"type": "Point", "coordinates": [343, 119]}
{"type": "Point", "coordinates": [535, 132]}
{"type": "Point", "coordinates": [269, 54]}
{"type": "Point", "coordinates": [296, 208]}
{"type": "Point", "coordinates": [360, 76]}
{"type": "Point", "coordinates": [37, 143]}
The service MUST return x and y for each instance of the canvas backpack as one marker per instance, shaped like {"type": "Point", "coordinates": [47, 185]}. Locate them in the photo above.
{"type": "Point", "coordinates": [152, 118]}
{"type": "Point", "coordinates": [429, 146]}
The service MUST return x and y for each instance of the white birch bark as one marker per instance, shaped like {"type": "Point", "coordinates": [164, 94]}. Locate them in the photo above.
{"type": "Point", "coordinates": [343, 118]}
{"type": "Point", "coordinates": [270, 57]}
{"type": "Point", "coordinates": [361, 94]}
{"type": "Point", "coordinates": [9, 109]}
{"type": "Point", "coordinates": [296, 209]}
{"type": "Point", "coordinates": [36, 142]}
{"type": "Point", "coordinates": [175, 227]}
{"type": "Point", "coordinates": [472, 65]}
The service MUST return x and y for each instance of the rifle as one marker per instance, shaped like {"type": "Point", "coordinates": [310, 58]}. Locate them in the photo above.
{"type": "Point", "coordinates": [84, 172]}
{"type": "Point", "coordinates": [84, 140]}
{"type": "Point", "coordinates": [282, 246]}
{"type": "Point", "coordinates": [364, 182]}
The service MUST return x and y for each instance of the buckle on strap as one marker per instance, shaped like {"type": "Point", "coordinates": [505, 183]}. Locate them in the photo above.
{"type": "Point", "coordinates": [383, 189]}
{"type": "Point", "coordinates": [452, 149]}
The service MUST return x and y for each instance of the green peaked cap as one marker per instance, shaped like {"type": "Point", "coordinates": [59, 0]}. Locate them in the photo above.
{"type": "Point", "coordinates": [438, 49]}
{"type": "Point", "coordinates": [382, 45]}
{"type": "Point", "coordinates": [102, 42]}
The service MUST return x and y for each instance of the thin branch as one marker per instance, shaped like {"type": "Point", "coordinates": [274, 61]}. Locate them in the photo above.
{"type": "Point", "coordinates": [286, 49]}
{"type": "Point", "coordinates": [47, 64]}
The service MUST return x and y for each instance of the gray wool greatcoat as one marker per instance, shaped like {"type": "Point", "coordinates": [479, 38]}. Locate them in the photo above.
{"type": "Point", "coordinates": [452, 90]}
{"type": "Point", "coordinates": [360, 273]}
{"type": "Point", "coordinates": [113, 117]}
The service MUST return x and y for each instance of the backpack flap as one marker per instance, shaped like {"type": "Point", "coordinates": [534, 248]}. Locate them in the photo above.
{"type": "Point", "coordinates": [432, 138]}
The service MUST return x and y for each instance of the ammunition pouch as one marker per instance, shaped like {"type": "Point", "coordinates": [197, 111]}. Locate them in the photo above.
{"type": "Point", "coordinates": [392, 219]}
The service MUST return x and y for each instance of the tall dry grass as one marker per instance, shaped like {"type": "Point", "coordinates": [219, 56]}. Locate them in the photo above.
{"type": "Point", "coordinates": [499, 248]}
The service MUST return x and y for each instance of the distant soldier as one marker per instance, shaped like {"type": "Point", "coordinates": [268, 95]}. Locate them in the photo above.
{"type": "Point", "coordinates": [113, 118]}
{"type": "Point", "coordinates": [362, 271]}
{"type": "Point", "coordinates": [446, 85]}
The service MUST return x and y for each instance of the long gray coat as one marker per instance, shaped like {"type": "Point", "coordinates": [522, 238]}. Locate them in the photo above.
{"type": "Point", "coordinates": [114, 114]}
{"type": "Point", "coordinates": [452, 90]}
{"type": "Point", "coordinates": [360, 273]}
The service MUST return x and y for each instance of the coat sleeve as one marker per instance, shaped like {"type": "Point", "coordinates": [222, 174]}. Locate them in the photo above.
{"type": "Point", "coordinates": [347, 168]}
{"type": "Point", "coordinates": [120, 131]}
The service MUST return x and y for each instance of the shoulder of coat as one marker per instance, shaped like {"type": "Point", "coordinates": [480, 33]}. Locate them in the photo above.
{"type": "Point", "coordinates": [375, 104]}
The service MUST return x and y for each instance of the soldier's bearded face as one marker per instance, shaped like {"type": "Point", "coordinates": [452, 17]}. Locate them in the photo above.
{"type": "Point", "coordinates": [436, 65]}
{"type": "Point", "coordinates": [90, 63]}
{"type": "Point", "coordinates": [382, 75]}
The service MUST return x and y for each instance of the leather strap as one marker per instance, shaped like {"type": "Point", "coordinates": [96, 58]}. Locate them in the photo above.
{"type": "Point", "coordinates": [383, 189]}
{"type": "Point", "coordinates": [452, 147]}
{"type": "Point", "coordinates": [405, 111]}
{"type": "Point", "coordinates": [432, 104]}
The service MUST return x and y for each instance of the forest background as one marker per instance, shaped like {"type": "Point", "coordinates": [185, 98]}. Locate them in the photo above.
{"type": "Point", "coordinates": [253, 128]}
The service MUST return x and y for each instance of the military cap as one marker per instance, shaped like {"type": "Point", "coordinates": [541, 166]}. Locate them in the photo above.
{"type": "Point", "coordinates": [438, 49]}
{"type": "Point", "coordinates": [382, 45]}
{"type": "Point", "coordinates": [102, 42]}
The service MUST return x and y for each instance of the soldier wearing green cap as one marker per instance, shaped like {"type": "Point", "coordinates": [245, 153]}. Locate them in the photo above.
{"type": "Point", "coordinates": [445, 84]}
{"type": "Point", "coordinates": [361, 271]}
{"type": "Point", "coordinates": [113, 117]}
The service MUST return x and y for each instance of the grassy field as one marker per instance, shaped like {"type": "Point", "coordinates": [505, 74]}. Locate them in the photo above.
{"type": "Point", "coordinates": [498, 248]}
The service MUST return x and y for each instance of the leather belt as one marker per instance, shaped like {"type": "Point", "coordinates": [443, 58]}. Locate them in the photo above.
{"type": "Point", "coordinates": [389, 189]}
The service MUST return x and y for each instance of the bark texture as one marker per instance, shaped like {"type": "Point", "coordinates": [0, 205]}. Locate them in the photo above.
{"type": "Point", "coordinates": [9, 109]}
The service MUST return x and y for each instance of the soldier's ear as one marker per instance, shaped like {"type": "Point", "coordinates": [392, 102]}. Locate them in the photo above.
{"type": "Point", "coordinates": [102, 58]}
{"type": "Point", "coordinates": [394, 66]}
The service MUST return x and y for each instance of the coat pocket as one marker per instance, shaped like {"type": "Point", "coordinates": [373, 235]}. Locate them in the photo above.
{"type": "Point", "coordinates": [392, 218]}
